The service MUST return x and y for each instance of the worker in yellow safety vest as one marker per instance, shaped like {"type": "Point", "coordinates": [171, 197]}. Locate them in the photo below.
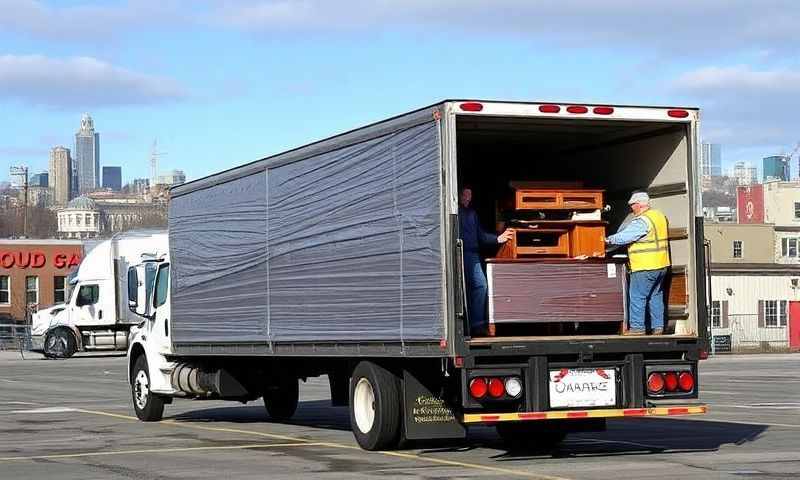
{"type": "Point", "coordinates": [647, 239]}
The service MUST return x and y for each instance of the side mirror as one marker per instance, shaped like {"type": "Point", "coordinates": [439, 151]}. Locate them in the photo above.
{"type": "Point", "coordinates": [137, 292]}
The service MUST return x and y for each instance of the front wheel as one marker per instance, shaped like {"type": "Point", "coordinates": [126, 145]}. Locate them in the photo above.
{"type": "Point", "coordinates": [149, 406]}
{"type": "Point", "coordinates": [59, 343]}
{"type": "Point", "coordinates": [375, 407]}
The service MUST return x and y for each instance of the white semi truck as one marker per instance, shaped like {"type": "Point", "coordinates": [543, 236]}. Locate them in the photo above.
{"type": "Point", "coordinates": [95, 315]}
{"type": "Point", "coordinates": [343, 258]}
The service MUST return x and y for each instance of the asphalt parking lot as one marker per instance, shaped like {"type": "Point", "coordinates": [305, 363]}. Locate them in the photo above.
{"type": "Point", "coordinates": [72, 419]}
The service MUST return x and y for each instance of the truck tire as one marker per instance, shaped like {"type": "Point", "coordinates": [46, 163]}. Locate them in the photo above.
{"type": "Point", "coordinates": [375, 409]}
{"type": "Point", "coordinates": [280, 399]}
{"type": "Point", "coordinates": [149, 407]}
{"type": "Point", "coordinates": [530, 435]}
{"type": "Point", "coordinates": [60, 343]}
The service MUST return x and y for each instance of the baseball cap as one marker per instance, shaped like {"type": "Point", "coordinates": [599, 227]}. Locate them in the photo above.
{"type": "Point", "coordinates": [639, 197]}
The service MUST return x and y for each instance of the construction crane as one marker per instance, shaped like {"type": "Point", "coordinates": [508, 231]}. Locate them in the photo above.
{"type": "Point", "coordinates": [154, 156]}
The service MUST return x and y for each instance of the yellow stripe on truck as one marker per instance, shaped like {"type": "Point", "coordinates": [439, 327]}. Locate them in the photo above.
{"type": "Point", "coordinates": [578, 414]}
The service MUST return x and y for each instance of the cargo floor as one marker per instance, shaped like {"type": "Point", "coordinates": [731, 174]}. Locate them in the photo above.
{"type": "Point", "coordinates": [551, 338]}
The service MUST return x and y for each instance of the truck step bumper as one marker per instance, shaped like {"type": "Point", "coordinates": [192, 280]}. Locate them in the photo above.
{"type": "Point", "coordinates": [672, 410]}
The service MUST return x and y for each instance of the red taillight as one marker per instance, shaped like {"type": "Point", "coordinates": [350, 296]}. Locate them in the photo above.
{"type": "Point", "coordinates": [603, 110]}
{"type": "Point", "coordinates": [686, 381]}
{"type": "Point", "coordinates": [471, 106]}
{"type": "Point", "coordinates": [678, 113]}
{"type": "Point", "coordinates": [577, 109]}
{"type": "Point", "coordinates": [478, 388]}
{"type": "Point", "coordinates": [549, 108]}
{"type": "Point", "coordinates": [655, 383]}
{"type": "Point", "coordinates": [670, 381]}
{"type": "Point", "coordinates": [496, 388]}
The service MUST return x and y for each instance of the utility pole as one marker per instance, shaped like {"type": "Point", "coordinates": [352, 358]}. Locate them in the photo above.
{"type": "Point", "coordinates": [22, 171]}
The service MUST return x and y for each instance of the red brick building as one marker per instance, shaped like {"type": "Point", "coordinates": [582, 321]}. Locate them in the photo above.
{"type": "Point", "coordinates": [34, 272]}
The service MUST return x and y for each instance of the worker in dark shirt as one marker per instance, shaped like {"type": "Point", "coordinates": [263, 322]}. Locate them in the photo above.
{"type": "Point", "coordinates": [473, 236]}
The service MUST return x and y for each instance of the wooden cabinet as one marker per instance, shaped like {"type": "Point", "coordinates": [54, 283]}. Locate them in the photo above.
{"type": "Point", "coordinates": [558, 238]}
{"type": "Point", "coordinates": [558, 199]}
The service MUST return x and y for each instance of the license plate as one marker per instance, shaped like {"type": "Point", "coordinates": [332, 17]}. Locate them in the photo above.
{"type": "Point", "coordinates": [583, 387]}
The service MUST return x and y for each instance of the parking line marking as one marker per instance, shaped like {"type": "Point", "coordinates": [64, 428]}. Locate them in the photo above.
{"type": "Point", "coordinates": [303, 441]}
{"type": "Point", "coordinates": [155, 450]}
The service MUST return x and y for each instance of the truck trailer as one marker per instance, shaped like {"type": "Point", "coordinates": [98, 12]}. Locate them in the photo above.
{"type": "Point", "coordinates": [343, 258]}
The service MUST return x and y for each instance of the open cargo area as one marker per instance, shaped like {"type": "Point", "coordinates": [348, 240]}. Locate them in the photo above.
{"type": "Point", "coordinates": [562, 185]}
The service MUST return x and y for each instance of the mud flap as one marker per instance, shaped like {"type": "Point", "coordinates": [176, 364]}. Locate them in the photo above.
{"type": "Point", "coordinates": [426, 414]}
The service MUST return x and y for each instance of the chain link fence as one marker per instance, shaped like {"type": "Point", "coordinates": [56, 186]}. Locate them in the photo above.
{"type": "Point", "coordinates": [746, 333]}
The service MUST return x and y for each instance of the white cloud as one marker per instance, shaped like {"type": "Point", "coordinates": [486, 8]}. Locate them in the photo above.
{"type": "Point", "coordinates": [745, 106]}
{"type": "Point", "coordinates": [684, 26]}
{"type": "Point", "coordinates": [80, 82]}
{"type": "Point", "coordinates": [88, 21]}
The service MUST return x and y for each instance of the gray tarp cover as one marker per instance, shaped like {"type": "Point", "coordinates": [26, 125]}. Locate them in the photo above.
{"type": "Point", "coordinates": [343, 246]}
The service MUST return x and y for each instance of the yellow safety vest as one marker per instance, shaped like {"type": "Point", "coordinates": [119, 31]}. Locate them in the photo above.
{"type": "Point", "coordinates": [651, 252]}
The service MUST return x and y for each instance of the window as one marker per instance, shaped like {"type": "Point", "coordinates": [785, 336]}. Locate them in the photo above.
{"type": "Point", "coordinates": [88, 295]}
{"type": "Point", "coordinates": [32, 290]}
{"type": "Point", "coordinates": [797, 210]}
{"type": "Point", "coordinates": [5, 289]}
{"type": "Point", "coordinates": [716, 314]}
{"type": "Point", "coordinates": [775, 313]}
{"type": "Point", "coordinates": [59, 284]}
{"type": "Point", "coordinates": [737, 249]}
{"type": "Point", "coordinates": [789, 247]}
{"type": "Point", "coordinates": [162, 284]}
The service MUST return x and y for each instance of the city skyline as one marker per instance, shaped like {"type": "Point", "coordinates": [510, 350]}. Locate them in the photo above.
{"type": "Point", "coordinates": [302, 71]}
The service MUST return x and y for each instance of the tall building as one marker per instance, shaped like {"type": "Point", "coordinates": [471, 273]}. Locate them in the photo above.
{"type": "Point", "coordinates": [87, 156]}
{"type": "Point", "coordinates": [776, 167]}
{"type": "Point", "coordinates": [711, 160]}
{"type": "Point", "coordinates": [745, 174]}
{"type": "Point", "coordinates": [39, 180]}
{"type": "Point", "coordinates": [112, 178]}
{"type": "Point", "coordinates": [60, 175]}
{"type": "Point", "coordinates": [141, 185]}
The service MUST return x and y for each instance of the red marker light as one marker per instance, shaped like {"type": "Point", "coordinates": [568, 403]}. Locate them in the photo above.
{"type": "Point", "coordinates": [549, 108]}
{"type": "Point", "coordinates": [603, 110]}
{"type": "Point", "coordinates": [678, 113]}
{"type": "Point", "coordinates": [686, 381]}
{"type": "Point", "coordinates": [577, 109]}
{"type": "Point", "coordinates": [478, 388]}
{"type": "Point", "coordinates": [496, 388]}
{"type": "Point", "coordinates": [471, 107]}
{"type": "Point", "coordinates": [655, 383]}
{"type": "Point", "coordinates": [671, 381]}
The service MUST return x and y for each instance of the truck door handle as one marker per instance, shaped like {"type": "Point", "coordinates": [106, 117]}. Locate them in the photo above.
{"type": "Point", "coordinates": [100, 314]}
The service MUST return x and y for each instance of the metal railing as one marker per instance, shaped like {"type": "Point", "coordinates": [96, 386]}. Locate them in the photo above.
{"type": "Point", "coordinates": [743, 333]}
{"type": "Point", "coordinates": [15, 336]}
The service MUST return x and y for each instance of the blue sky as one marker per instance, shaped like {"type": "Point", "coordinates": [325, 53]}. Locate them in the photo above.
{"type": "Point", "coordinates": [224, 83]}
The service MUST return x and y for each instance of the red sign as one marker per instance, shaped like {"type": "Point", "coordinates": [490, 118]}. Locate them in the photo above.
{"type": "Point", "coordinates": [35, 259]}
{"type": "Point", "coordinates": [750, 204]}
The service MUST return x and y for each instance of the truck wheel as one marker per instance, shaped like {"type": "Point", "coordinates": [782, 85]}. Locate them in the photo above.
{"type": "Point", "coordinates": [529, 435]}
{"type": "Point", "coordinates": [375, 407]}
{"type": "Point", "coordinates": [149, 406]}
{"type": "Point", "coordinates": [59, 343]}
{"type": "Point", "coordinates": [280, 400]}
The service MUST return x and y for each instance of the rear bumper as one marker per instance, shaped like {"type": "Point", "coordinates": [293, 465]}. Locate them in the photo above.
{"type": "Point", "coordinates": [673, 410]}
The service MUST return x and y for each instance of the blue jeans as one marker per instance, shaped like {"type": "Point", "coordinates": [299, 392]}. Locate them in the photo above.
{"type": "Point", "coordinates": [647, 294]}
{"type": "Point", "coordinates": [477, 291]}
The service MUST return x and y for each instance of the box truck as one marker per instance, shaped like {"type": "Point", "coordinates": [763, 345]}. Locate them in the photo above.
{"type": "Point", "coordinates": [343, 258]}
{"type": "Point", "coordinates": [95, 315]}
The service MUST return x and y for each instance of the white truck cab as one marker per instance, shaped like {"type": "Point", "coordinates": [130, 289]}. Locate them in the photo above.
{"type": "Point", "coordinates": [94, 316]}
